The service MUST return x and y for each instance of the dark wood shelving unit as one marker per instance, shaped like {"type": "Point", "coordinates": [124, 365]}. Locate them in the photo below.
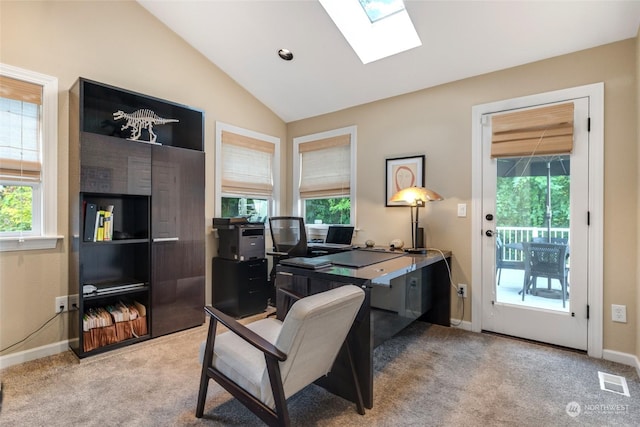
{"type": "Point", "coordinates": [157, 194]}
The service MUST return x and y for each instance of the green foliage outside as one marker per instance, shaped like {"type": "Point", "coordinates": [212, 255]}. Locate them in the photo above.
{"type": "Point", "coordinates": [329, 211]}
{"type": "Point", "coordinates": [255, 210]}
{"type": "Point", "coordinates": [15, 208]}
{"type": "Point", "coordinates": [522, 201]}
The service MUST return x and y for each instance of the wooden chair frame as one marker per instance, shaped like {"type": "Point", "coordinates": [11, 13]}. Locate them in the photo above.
{"type": "Point", "coordinates": [279, 416]}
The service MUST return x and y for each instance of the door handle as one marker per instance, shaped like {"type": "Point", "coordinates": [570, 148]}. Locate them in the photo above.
{"type": "Point", "coordinates": [165, 239]}
{"type": "Point", "coordinates": [489, 233]}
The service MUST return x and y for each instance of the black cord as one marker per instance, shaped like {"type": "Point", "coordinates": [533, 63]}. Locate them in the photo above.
{"type": "Point", "coordinates": [32, 333]}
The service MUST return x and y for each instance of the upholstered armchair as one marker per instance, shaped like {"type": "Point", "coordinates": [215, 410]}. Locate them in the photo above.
{"type": "Point", "coordinates": [267, 361]}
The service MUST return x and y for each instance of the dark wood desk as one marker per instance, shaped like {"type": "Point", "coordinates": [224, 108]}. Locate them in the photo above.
{"type": "Point", "coordinates": [397, 292]}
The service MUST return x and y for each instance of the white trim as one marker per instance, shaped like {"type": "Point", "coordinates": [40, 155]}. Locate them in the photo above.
{"type": "Point", "coordinates": [353, 132]}
{"type": "Point", "coordinates": [28, 243]}
{"type": "Point", "coordinates": [464, 325]}
{"type": "Point", "coordinates": [220, 126]}
{"type": "Point", "coordinates": [48, 215]}
{"type": "Point", "coordinates": [622, 358]}
{"type": "Point", "coordinates": [595, 93]}
{"type": "Point", "coordinates": [33, 354]}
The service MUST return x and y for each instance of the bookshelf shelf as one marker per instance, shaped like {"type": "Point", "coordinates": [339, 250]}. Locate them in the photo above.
{"type": "Point", "coordinates": [138, 209]}
{"type": "Point", "coordinates": [118, 242]}
{"type": "Point", "coordinates": [121, 293]}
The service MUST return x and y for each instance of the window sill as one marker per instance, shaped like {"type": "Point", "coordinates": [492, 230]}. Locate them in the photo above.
{"type": "Point", "coordinates": [8, 244]}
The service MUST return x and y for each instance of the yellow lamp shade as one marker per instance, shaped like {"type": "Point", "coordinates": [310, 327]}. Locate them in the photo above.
{"type": "Point", "coordinates": [413, 194]}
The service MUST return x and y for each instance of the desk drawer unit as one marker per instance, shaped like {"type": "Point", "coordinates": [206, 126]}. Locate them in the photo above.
{"type": "Point", "coordinates": [239, 288]}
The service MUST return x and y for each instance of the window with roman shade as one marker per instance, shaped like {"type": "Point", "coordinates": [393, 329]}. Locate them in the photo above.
{"type": "Point", "coordinates": [325, 167]}
{"type": "Point", "coordinates": [324, 171]}
{"type": "Point", "coordinates": [246, 173]}
{"type": "Point", "coordinates": [20, 106]}
{"type": "Point", "coordinates": [28, 159]}
{"type": "Point", "coordinates": [247, 165]}
{"type": "Point", "coordinates": [538, 131]}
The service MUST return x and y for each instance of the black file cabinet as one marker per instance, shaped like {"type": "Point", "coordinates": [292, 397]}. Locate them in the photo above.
{"type": "Point", "coordinates": [239, 288]}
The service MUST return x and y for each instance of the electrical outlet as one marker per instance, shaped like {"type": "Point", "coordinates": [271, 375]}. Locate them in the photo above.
{"type": "Point", "coordinates": [462, 290]}
{"type": "Point", "coordinates": [62, 302]}
{"type": "Point", "coordinates": [619, 313]}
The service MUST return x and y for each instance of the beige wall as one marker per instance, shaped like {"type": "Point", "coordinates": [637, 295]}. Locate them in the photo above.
{"type": "Point", "coordinates": [99, 40]}
{"type": "Point", "coordinates": [437, 122]}
{"type": "Point", "coordinates": [121, 44]}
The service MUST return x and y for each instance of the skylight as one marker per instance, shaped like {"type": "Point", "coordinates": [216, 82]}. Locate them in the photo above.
{"type": "Point", "coordinates": [375, 29]}
{"type": "Point", "coordinates": [380, 9]}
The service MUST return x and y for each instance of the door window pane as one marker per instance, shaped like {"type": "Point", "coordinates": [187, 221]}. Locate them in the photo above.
{"type": "Point", "coordinates": [532, 207]}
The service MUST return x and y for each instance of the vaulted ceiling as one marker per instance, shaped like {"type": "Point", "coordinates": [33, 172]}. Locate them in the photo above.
{"type": "Point", "coordinates": [460, 39]}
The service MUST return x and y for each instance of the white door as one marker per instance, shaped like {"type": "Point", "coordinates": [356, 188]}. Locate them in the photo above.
{"type": "Point", "coordinates": [539, 202]}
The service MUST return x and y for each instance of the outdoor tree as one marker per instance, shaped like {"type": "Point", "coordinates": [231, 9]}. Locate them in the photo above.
{"type": "Point", "coordinates": [15, 208]}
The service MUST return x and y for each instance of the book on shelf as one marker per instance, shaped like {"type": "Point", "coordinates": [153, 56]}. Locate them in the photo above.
{"type": "Point", "coordinates": [100, 235]}
{"type": "Point", "coordinates": [108, 223]}
{"type": "Point", "coordinates": [98, 223]}
{"type": "Point", "coordinates": [90, 212]}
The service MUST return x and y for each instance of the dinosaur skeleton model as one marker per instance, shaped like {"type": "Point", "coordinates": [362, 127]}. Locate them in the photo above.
{"type": "Point", "coordinates": [141, 119]}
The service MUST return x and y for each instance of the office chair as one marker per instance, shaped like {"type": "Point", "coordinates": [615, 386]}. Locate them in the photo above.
{"type": "Point", "coordinates": [267, 361]}
{"type": "Point", "coordinates": [289, 239]}
{"type": "Point", "coordinates": [288, 235]}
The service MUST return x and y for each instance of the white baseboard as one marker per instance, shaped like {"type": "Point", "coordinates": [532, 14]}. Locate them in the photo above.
{"type": "Point", "coordinates": [456, 323]}
{"type": "Point", "coordinates": [33, 354]}
{"type": "Point", "coordinates": [623, 358]}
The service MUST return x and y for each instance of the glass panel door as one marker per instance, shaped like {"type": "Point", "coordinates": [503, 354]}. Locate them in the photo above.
{"type": "Point", "coordinates": [535, 223]}
{"type": "Point", "coordinates": [533, 196]}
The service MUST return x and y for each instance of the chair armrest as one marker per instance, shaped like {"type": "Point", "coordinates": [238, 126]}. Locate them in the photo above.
{"type": "Point", "coordinates": [293, 295]}
{"type": "Point", "coordinates": [245, 333]}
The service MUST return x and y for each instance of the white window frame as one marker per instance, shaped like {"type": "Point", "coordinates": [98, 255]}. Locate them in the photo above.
{"type": "Point", "coordinates": [274, 200]}
{"type": "Point", "coordinates": [45, 204]}
{"type": "Point", "coordinates": [298, 205]}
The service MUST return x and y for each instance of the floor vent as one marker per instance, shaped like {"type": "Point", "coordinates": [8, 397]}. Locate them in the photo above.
{"type": "Point", "coordinates": [613, 383]}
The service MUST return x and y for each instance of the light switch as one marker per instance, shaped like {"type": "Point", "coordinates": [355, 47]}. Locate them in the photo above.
{"type": "Point", "coordinates": [462, 210]}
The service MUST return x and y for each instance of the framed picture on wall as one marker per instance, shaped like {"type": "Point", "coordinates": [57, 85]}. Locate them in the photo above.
{"type": "Point", "coordinates": [403, 172]}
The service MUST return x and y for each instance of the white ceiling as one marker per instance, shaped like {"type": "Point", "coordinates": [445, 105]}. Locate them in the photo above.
{"type": "Point", "coordinates": [460, 39]}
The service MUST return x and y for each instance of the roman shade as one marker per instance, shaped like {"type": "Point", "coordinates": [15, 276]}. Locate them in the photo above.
{"type": "Point", "coordinates": [247, 165]}
{"type": "Point", "coordinates": [20, 106]}
{"type": "Point", "coordinates": [325, 167]}
{"type": "Point", "coordinates": [538, 131]}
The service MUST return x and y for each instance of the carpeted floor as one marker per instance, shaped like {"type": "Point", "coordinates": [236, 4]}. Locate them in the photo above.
{"type": "Point", "coordinates": [425, 376]}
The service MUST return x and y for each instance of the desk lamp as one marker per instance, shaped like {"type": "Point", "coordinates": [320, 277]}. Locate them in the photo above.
{"type": "Point", "coordinates": [415, 196]}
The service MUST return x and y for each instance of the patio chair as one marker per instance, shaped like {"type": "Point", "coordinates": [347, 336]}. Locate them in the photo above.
{"type": "Point", "coordinates": [545, 260]}
{"type": "Point", "coordinates": [267, 361]}
{"type": "Point", "coordinates": [501, 262]}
